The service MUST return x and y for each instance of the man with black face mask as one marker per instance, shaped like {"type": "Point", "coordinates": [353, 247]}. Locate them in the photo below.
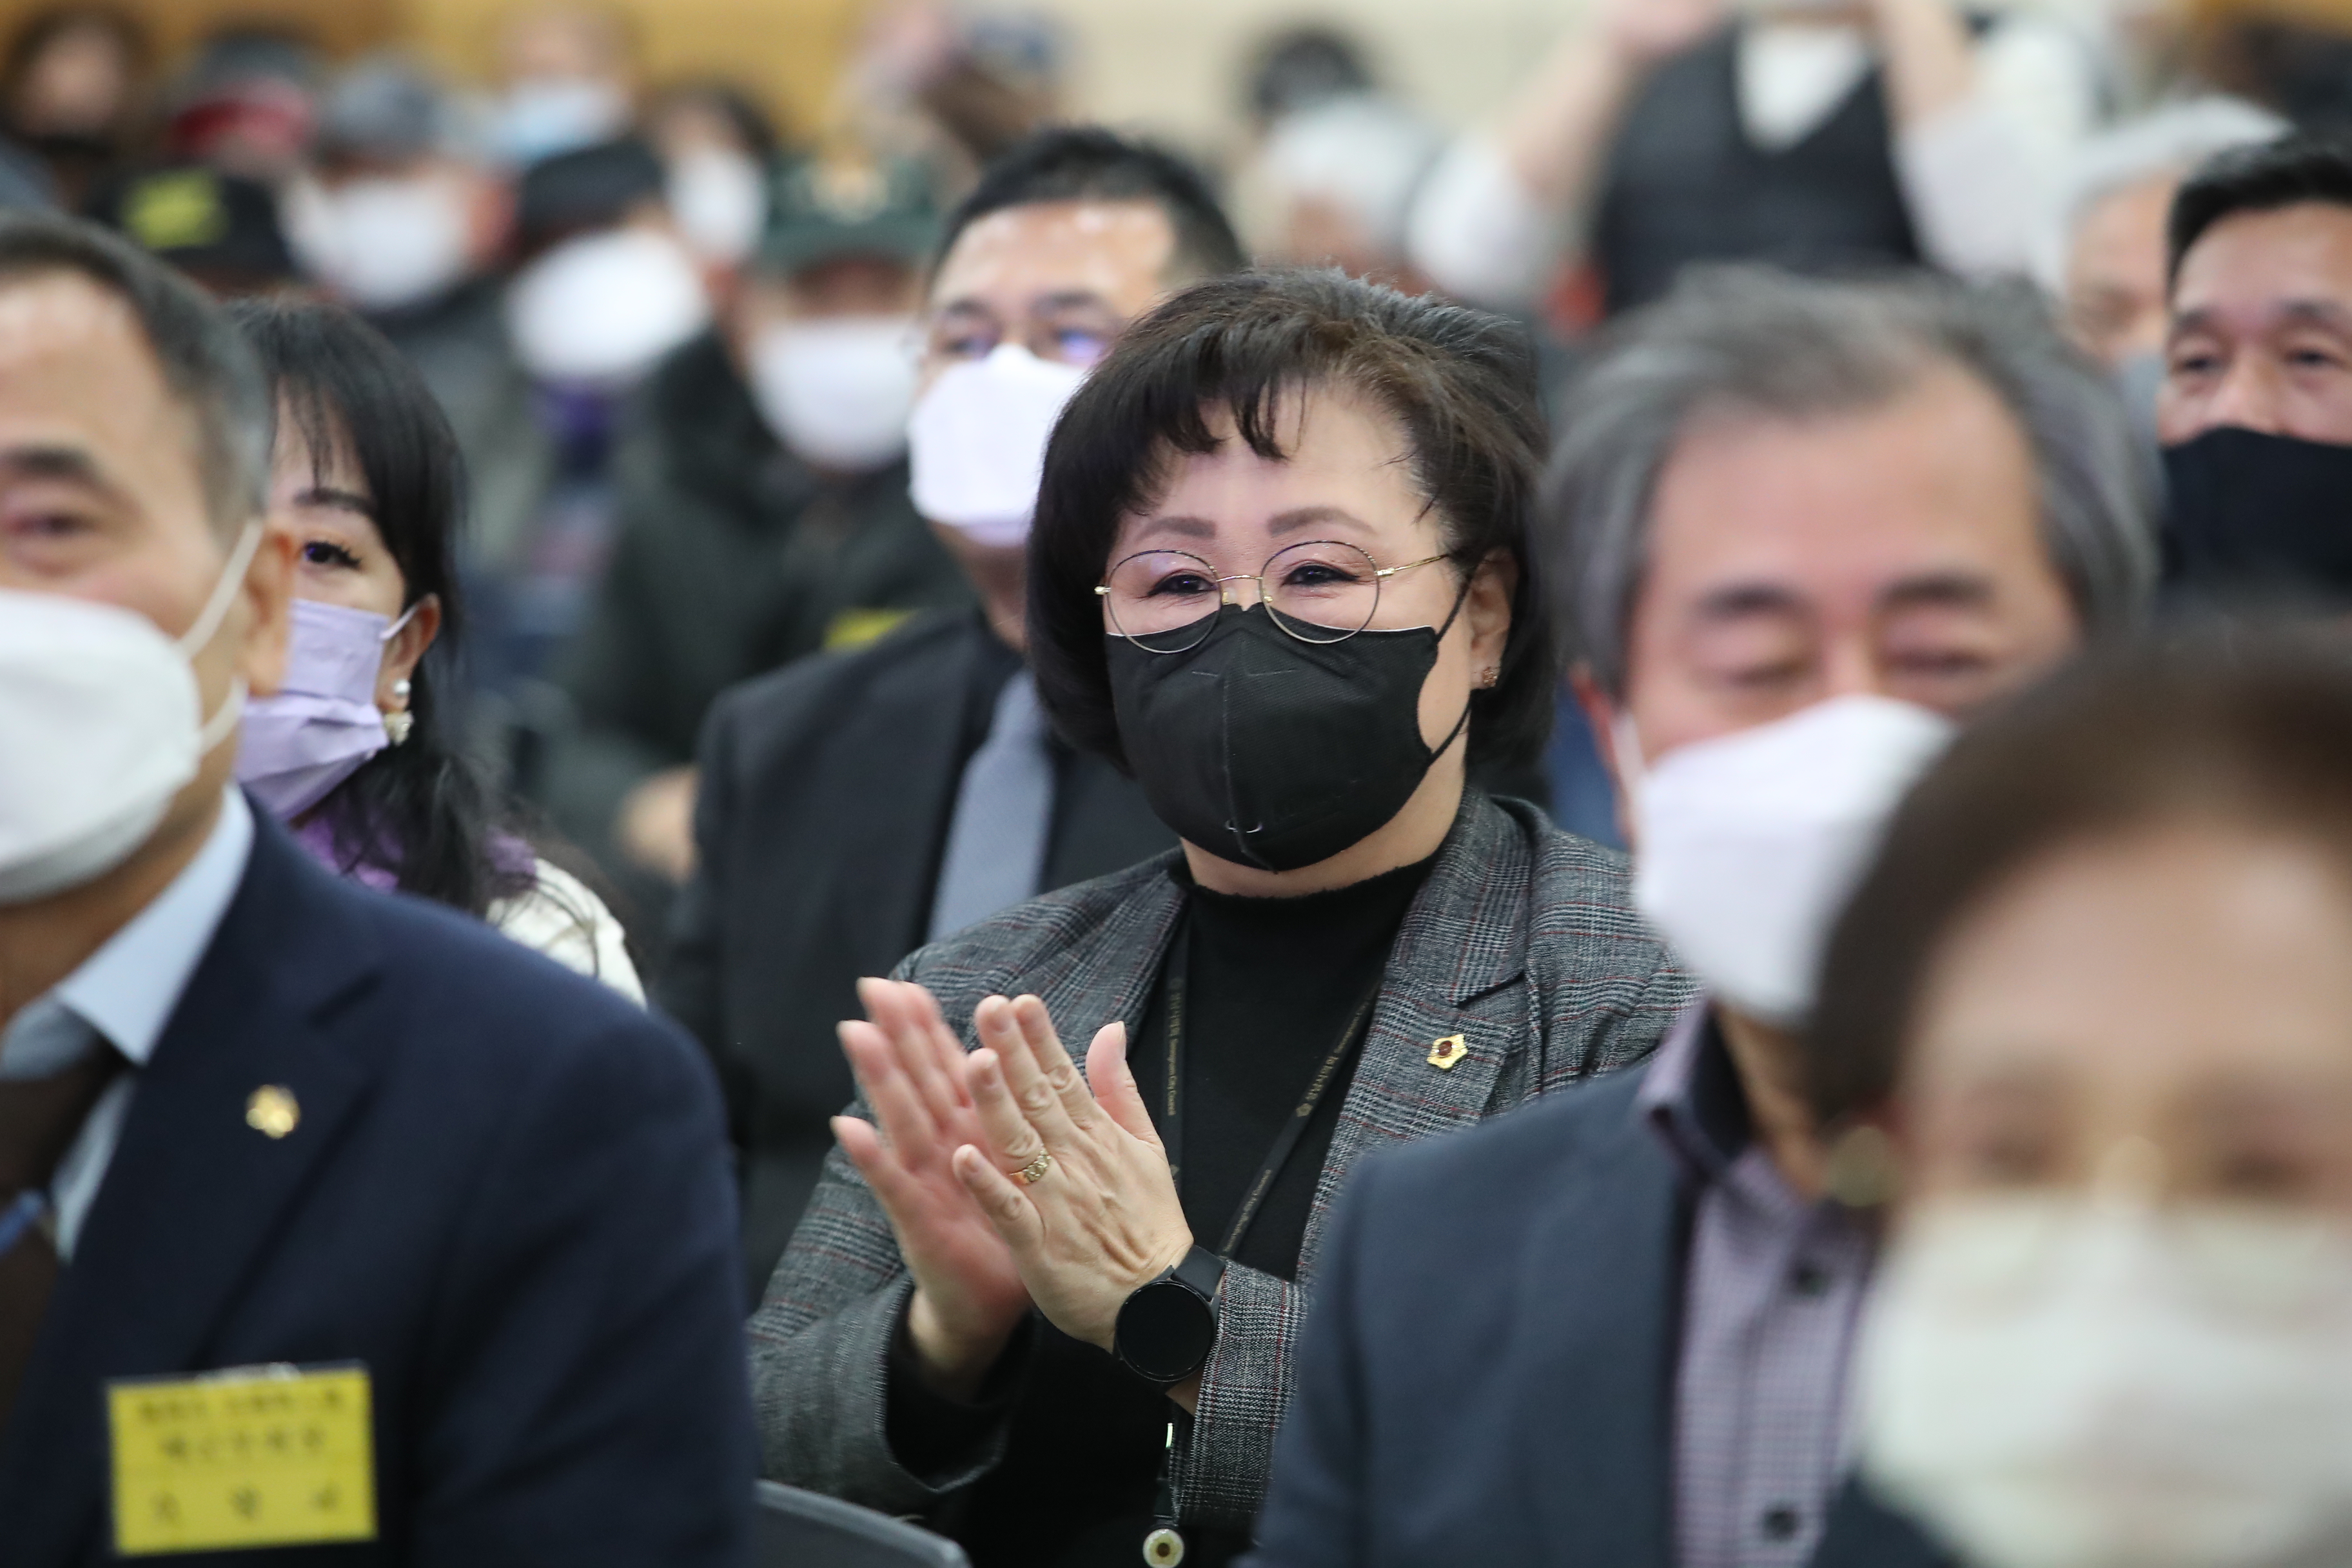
{"type": "Point", "coordinates": [2256, 412]}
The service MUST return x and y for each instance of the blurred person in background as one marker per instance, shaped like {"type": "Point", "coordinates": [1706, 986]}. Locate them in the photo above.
{"type": "Point", "coordinates": [2087, 1024]}
{"type": "Point", "coordinates": [1336, 182]}
{"type": "Point", "coordinates": [356, 752]}
{"type": "Point", "coordinates": [721, 152]}
{"type": "Point", "coordinates": [763, 511]}
{"type": "Point", "coordinates": [1801, 529]}
{"type": "Point", "coordinates": [400, 222]}
{"type": "Point", "coordinates": [1299, 69]}
{"type": "Point", "coordinates": [1665, 132]}
{"type": "Point", "coordinates": [2104, 257]}
{"type": "Point", "coordinates": [855, 807]}
{"type": "Point", "coordinates": [603, 289]}
{"type": "Point", "coordinates": [246, 103]}
{"type": "Point", "coordinates": [221, 230]}
{"type": "Point", "coordinates": [71, 93]}
{"type": "Point", "coordinates": [427, 1180]}
{"type": "Point", "coordinates": [952, 89]}
{"type": "Point", "coordinates": [2256, 412]}
{"type": "Point", "coordinates": [1282, 571]}
{"type": "Point", "coordinates": [568, 79]}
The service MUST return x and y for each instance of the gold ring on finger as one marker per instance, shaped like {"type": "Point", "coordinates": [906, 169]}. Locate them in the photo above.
{"type": "Point", "coordinates": [1034, 1171]}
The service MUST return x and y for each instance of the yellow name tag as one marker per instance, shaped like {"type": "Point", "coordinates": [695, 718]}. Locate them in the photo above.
{"type": "Point", "coordinates": [269, 1456]}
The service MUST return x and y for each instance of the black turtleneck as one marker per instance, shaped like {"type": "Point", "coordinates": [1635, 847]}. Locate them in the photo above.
{"type": "Point", "coordinates": [1270, 986]}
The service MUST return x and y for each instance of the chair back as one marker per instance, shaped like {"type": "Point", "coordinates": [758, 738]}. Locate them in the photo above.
{"type": "Point", "coordinates": [800, 1528]}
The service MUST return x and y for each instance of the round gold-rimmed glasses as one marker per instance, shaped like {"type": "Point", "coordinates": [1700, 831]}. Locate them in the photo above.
{"type": "Point", "coordinates": [1322, 591]}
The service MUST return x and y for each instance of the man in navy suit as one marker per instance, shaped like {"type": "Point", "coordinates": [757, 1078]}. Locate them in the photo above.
{"type": "Point", "coordinates": [456, 1226]}
{"type": "Point", "coordinates": [1801, 528]}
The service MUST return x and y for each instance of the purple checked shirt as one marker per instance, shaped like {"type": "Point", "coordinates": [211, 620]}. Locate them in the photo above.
{"type": "Point", "coordinates": [1772, 1287]}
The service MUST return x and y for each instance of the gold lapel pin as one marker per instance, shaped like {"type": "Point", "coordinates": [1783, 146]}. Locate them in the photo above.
{"type": "Point", "coordinates": [272, 1112]}
{"type": "Point", "coordinates": [1444, 1053]}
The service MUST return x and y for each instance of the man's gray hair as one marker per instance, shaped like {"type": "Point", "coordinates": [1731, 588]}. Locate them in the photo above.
{"type": "Point", "coordinates": [2171, 140]}
{"type": "Point", "coordinates": [207, 368]}
{"type": "Point", "coordinates": [1757, 341]}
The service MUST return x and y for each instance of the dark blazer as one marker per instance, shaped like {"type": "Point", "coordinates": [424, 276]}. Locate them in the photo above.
{"type": "Point", "coordinates": [1488, 1373]}
{"type": "Point", "coordinates": [1523, 942]}
{"type": "Point", "coordinates": [826, 789]}
{"type": "Point", "coordinates": [506, 1194]}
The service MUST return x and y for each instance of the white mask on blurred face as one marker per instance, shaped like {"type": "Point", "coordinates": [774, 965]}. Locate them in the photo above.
{"type": "Point", "coordinates": [977, 442]}
{"type": "Point", "coordinates": [1748, 845]}
{"type": "Point", "coordinates": [720, 199]}
{"type": "Point", "coordinates": [837, 391]}
{"type": "Point", "coordinates": [539, 117]}
{"type": "Point", "coordinates": [382, 244]}
{"type": "Point", "coordinates": [100, 726]}
{"type": "Point", "coordinates": [601, 309]}
{"type": "Point", "coordinates": [2064, 1381]}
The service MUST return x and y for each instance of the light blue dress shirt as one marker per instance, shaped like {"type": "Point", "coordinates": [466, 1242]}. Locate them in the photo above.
{"type": "Point", "coordinates": [125, 994]}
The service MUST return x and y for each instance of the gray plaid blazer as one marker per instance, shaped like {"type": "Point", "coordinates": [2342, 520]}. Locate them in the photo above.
{"type": "Point", "coordinates": [1522, 941]}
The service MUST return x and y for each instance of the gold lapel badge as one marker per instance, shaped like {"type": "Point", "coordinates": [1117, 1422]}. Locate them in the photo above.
{"type": "Point", "coordinates": [272, 1112]}
{"type": "Point", "coordinates": [1444, 1053]}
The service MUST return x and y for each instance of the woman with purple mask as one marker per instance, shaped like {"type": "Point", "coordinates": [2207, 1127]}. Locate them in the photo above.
{"type": "Point", "coordinates": [354, 753]}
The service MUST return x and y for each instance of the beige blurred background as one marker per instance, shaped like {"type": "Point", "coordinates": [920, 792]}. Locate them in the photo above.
{"type": "Point", "coordinates": [1169, 66]}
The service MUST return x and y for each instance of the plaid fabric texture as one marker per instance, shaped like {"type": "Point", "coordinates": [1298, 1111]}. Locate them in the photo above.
{"type": "Point", "coordinates": [1523, 941]}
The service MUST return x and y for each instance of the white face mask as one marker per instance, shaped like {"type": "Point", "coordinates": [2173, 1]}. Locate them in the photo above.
{"type": "Point", "coordinates": [385, 243]}
{"type": "Point", "coordinates": [837, 391]}
{"type": "Point", "coordinates": [719, 200]}
{"type": "Point", "coordinates": [1747, 845]}
{"type": "Point", "coordinates": [100, 726]}
{"type": "Point", "coordinates": [539, 117]}
{"type": "Point", "coordinates": [977, 442]}
{"type": "Point", "coordinates": [2062, 1382]}
{"type": "Point", "coordinates": [601, 309]}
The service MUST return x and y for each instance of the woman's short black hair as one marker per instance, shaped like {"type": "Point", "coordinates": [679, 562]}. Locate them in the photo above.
{"type": "Point", "coordinates": [1461, 382]}
{"type": "Point", "coordinates": [2240, 728]}
{"type": "Point", "coordinates": [2260, 178]}
{"type": "Point", "coordinates": [420, 808]}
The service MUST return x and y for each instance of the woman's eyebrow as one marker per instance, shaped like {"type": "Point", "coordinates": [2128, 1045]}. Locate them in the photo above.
{"type": "Point", "coordinates": [1316, 516]}
{"type": "Point", "coordinates": [341, 500]}
{"type": "Point", "coordinates": [1182, 526]}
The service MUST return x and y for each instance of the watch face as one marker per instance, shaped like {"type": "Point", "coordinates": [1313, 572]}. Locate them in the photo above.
{"type": "Point", "coordinates": [1165, 1331]}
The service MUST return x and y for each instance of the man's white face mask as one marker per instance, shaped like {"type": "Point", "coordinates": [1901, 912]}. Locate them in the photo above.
{"type": "Point", "coordinates": [1748, 845]}
{"type": "Point", "coordinates": [837, 391]}
{"type": "Point", "coordinates": [100, 726]}
{"type": "Point", "coordinates": [977, 442]}
{"type": "Point", "coordinates": [2064, 1381]}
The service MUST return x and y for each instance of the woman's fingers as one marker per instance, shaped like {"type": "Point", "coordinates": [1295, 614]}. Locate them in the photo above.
{"type": "Point", "coordinates": [1114, 1084]}
{"type": "Point", "coordinates": [907, 1122]}
{"type": "Point", "coordinates": [898, 1012]}
{"type": "Point", "coordinates": [1040, 1098]}
{"type": "Point", "coordinates": [1002, 1199]}
{"type": "Point", "coordinates": [1013, 1142]}
{"type": "Point", "coordinates": [1045, 1049]}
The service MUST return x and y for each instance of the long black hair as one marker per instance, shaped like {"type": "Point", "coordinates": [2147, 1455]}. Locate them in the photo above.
{"type": "Point", "coordinates": [422, 809]}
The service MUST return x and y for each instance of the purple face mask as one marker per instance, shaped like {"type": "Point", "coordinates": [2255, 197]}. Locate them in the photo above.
{"type": "Point", "coordinates": [322, 722]}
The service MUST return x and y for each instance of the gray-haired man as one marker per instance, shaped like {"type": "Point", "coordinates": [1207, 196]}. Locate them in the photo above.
{"type": "Point", "coordinates": [1802, 527]}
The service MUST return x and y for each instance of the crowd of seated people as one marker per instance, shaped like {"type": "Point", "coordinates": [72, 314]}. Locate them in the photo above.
{"type": "Point", "coordinates": [1610, 840]}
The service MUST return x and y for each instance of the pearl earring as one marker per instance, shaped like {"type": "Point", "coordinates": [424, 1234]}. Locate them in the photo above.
{"type": "Point", "coordinates": [399, 723]}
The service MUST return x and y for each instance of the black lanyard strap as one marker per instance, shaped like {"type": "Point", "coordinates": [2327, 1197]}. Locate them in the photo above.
{"type": "Point", "coordinates": [1286, 1143]}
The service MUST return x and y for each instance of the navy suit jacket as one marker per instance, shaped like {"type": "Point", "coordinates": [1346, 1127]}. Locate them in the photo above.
{"type": "Point", "coordinates": [506, 1194]}
{"type": "Point", "coordinates": [1487, 1374]}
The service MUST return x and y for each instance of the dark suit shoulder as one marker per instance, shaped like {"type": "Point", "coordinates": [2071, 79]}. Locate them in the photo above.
{"type": "Point", "coordinates": [782, 699]}
{"type": "Point", "coordinates": [473, 1004]}
{"type": "Point", "coordinates": [1515, 1161]}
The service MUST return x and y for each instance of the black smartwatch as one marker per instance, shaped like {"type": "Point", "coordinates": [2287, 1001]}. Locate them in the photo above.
{"type": "Point", "coordinates": [1166, 1326]}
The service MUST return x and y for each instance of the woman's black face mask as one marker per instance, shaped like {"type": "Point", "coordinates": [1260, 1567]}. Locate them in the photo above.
{"type": "Point", "coordinates": [1274, 753]}
{"type": "Point", "coordinates": [2253, 514]}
